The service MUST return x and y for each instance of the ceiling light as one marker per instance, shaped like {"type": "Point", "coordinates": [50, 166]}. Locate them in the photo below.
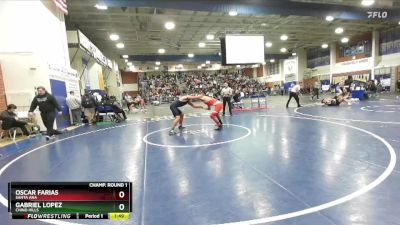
{"type": "Point", "coordinates": [125, 56]}
{"type": "Point", "coordinates": [101, 7]}
{"type": "Point", "coordinates": [156, 68]}
{"type": "Point", "coordinates": [233, 13]}
{"type": "Point", "coordinates": [208, 62]}
{"type": "Point", "coordinates": [324, 45]}
{"type": "Point", "coordinates": [219, 53]}
{"type": "Point", "coordinates": [203, 65]}
{"type": "Point", "coordinates": [158, 63]}
{"type": "Point", "coordinates": [202, 44]}
{"type": "Point", "coordinates": [399, 22]}
{"type": "Point", "coordinates": [367, 2]}
{"type": "Point", "coordinates": [329, 18]}
{"type": "Point", "coordinates": [284, 37]}
{"type": "Point", "coordinates": [120, 45]}
{"type": "Point", "coordinates": [190, 55]}
{"type": "Point", "coordinates": [210, 37]}
{"type": "Point", "coordinates": [263, 24]}
{"type": "Point", "coordinates": [283, 50]}
{"type": "Point", "coordinates": [268, 44]}
{"type": "Point", "coordinates": [114, 37]}
{"type": "Point", "coordinates": [161, 51]}
{"type": "Point", "coordinates": [126, 60]}
{"type": "Point", "coordinates": [198, 67]}
{"type": "Point", "coordinates": [294, 54]}
{"type": "Point", "coordinates": [345, 40]}
{"type": "Point", "coordinates": [237, 66]}
{"type": "Point", "coordinates": [339, 30]}
{"type": "Point", "coordinates": [272, 60]}
{"type": "Point", "coordinates": [129, 64]}
{"type": "Point", "coordinates": [169, 25]}
{"type": "Point", "coordinates": [179, 65]}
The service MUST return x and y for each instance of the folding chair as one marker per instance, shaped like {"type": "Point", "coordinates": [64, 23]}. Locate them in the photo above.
{"type": "Point", "coordinates": [12, 133]}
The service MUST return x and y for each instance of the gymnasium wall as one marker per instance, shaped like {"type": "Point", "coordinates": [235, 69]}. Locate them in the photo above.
{"type": "Point", "coordinates": [248, 72]}
{"type": "Point", "coordinates": [34, 41]}
{"type": "Point", "coordinates": [260, 71]}
{"type": "Point", "coordinates": [130, 82]}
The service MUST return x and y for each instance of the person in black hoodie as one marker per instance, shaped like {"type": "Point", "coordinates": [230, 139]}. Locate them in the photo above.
{"type": "Point", "coordinates": [10, 120]}
{"type": "Point", "coordinates": [47, 105]}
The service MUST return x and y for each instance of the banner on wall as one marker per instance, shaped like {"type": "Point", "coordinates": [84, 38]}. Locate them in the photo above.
{"type": "Point", "coordinates": [325, 84]}
{"type": "Point", "coordinates": [101, 78]}
{"type": "Point", "coordinates": [290, 70]}
{"type": "Point", "coordinates": [273, 78]}
{"type": "Point", "coordinates": [62, 81]}
{"type": "Point", "coordinates": [69, 76]}
{"type": "Point", "coordinates": [92, 49]}
{"type": "Point", "coordinates": [354, 65]}
{"type": "Point", "coordinates": [357, 78]}
{"type": "Point", "coordinates": [85, 74]}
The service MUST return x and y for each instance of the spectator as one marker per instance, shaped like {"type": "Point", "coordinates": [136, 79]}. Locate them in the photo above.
{"type": "Point", "coordinates": [163, 87]}
{"type": "Point", "coordinates": [140, 102]}
{"type": "Point", "coordinates": [371, 89]}
{"type": "Point", "coordinates": [47, 105]}
{"type": "Point", "coordinates": [74, 104]}
{"type": "Point", "coordinates": [316, 90]}
{"type": "Point", "coordinates": [112, 101]}
{"type": "Point", "coordinates": [348, 82]}
{"type": "Point", "coordinates": [89, 104]}
{"type": "Point", "coordinates": [129, 101]}
{"type": "Point", "coordinates": [10, 120]}
{"type": "Point", "coordinates": [237, 99]}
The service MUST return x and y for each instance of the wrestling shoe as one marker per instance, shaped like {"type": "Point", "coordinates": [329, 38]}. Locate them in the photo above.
{"type": "Point", "coordinates": [50, 137]}
{"type": "Point", "coordinates": [181, 127]}
{"type": "Point", "coordinates": [218, 128]}
{"type": "Point", "coordinates": [171, 132]}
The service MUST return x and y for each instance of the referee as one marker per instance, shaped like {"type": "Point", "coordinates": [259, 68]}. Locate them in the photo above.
{"type": "Point", "coordinates": [294, 93]}
{"type": "Point", "coordinates": [226, 93]}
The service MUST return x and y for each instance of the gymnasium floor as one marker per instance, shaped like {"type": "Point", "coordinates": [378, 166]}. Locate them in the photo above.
{"type": "Point", "coordinates": [309, 166]}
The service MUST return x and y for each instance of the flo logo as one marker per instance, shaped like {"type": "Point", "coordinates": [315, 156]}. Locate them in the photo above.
{"type": "Point", "coordinates": [377, 15]}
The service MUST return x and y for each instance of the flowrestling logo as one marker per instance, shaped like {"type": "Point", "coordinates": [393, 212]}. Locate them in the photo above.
{"type": "Point", "coordinates": [377, 15]}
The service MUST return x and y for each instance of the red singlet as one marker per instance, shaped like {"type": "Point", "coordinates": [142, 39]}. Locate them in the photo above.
{"type": "Point", "coordinates": [211, 102]}
{"type": "Point", "coordinates": [218, 107]}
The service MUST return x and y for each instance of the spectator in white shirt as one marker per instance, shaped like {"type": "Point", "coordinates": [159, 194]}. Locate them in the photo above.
{"type": "Point", "coordinates": [294, 93]}
{"type": "Point", "coordinates": [75, 105]}
{"type": "Point", "coordinates": [226, 93]}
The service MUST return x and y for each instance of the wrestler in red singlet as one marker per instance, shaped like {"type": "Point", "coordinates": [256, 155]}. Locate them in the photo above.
{"type": "Point", "coordinates": [212, 102]}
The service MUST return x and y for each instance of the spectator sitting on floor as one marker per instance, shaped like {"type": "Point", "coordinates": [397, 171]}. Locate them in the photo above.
{"type": "Point", "coordinates": [10, 120]}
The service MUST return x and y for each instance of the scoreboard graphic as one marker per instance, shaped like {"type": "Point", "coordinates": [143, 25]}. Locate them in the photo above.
{"type": "Point", "coordinates": [70, 200]}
